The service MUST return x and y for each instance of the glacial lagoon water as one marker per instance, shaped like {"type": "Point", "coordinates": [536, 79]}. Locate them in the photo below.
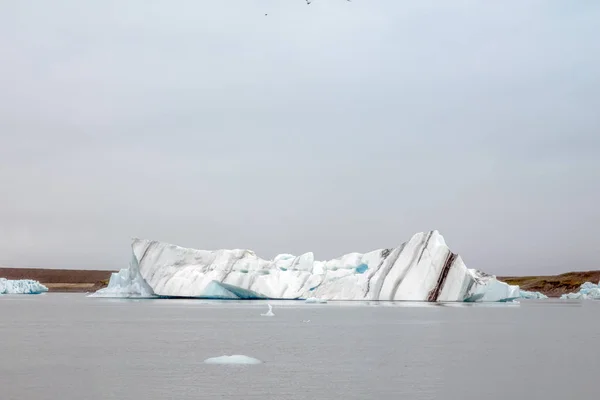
{"type": "Point", "coordinates": [70, 347]}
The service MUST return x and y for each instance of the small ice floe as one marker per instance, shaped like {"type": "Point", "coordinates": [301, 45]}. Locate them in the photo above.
{"type": "Point", "coordinates": [236, 359]}
{"type": "Point", "coordinates": [532, 295]}
{"type": "Point", "coordinates": [269, 313]}
{"type": "Point", "coordinates": [315, 300]}
{"type": "Point", "coordinates": [21, 286]}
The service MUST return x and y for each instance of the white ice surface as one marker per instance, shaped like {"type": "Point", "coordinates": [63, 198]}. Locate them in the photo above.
{"type": "Point", "coordinates": [234, 359]}
{"type": "Point", "coordinates": [22, 286]}
{"type": "Point", "coordinates": [587, 291]}
{"type": "Point", "coordinates": [495, 290]}
{"type": "Point", "coordinates": [422, 269]}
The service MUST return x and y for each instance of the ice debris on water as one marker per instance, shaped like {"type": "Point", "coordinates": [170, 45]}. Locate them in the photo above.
{"type": "Point", "coordinates": [269, 313]}
{"type": "Point", "coordinates": [532, 295]}
{"type": "Point", "coordinates": [236, 359]}
{"type": "Point", "coordinates": [315, 300]}
{"type": "Point", "coordinates": [588, 290]}
{"type": "Point", "coordinates": [21, 286]}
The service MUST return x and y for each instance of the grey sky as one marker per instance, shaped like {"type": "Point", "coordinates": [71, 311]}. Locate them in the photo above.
{"type": "Point", "coordinates": [335, 127]}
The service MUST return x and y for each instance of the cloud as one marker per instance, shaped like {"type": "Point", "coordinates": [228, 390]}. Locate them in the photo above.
{"type": "Point", "coordinates": [334, 127]}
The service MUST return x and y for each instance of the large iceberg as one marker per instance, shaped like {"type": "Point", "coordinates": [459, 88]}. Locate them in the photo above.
{"type": "Point", "coordinates": [588, 290]}
{"type": "Point", "coordinates": [422, 269]}
{"type": "Point", "coordinates": [22, 286]}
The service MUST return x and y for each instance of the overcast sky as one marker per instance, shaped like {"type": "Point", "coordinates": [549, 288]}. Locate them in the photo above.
{"type": "Point", "coordinates": [331, 127]}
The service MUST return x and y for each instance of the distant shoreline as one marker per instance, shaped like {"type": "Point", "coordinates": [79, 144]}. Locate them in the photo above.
{"type": "Point", "coordinates": [81, 281]}
{"type": "Point", "coordinates": [61, 280]}
{"type": "Point", "coordinates": [553, 285]}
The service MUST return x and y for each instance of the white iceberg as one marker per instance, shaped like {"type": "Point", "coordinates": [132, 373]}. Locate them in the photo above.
{"type": "Point", "coordinates": [422, 269]}
{"type": "Point", "coordinates": [234, 359]}
{"type": "Point", "coordinates": [532, 295]}
{"type": "Point", "coordinates": [588, 290]}
{"type": "Point", "coordinates": [21, 286]}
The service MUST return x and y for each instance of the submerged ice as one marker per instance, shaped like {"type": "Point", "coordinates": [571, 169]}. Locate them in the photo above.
{"type": "Point", "coordinates": [422, 269]}
{"type": "Point", "coordinates": [22, 286]}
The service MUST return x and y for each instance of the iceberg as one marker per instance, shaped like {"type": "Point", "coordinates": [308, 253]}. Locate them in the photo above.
{"type": "Point", "coordinates": [588, 290]}
{"type": "Point", "coordinates": [532, 295]}
{"type": "Point", "coordinates": [22, 286]}
{"type": "Point", "coordinates": [422, 269]}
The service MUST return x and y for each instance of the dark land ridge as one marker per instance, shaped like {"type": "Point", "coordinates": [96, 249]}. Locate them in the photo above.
{"type": "Point", "coordinates": [61, 280]}
{"type": "Point", "coordinates": [553, 285]}
{"type": "Point", "coordinates": [74, 280]}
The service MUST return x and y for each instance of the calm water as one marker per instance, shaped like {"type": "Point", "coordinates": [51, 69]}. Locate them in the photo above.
{"type": "Point", "coordinates": [67, 346]}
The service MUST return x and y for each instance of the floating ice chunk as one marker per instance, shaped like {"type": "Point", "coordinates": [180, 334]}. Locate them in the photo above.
{"type": "Point", "coordinates": [314, 300]}
{"type": "Point", "coordinates": [236, 359]}
{"type": "Point", "coordinates": [593, 294]}
{"type": "Point", "coordinates": [525, 294]}
{"type": "Point", "coordinates": [127, 283]}
{"type": "Point", "coordinates": [269, 313]}
{"type": "Point", "coordinates": [573, 296]}
{"type": "Point", "coordinates": [588, 290]}
{"type": "Point", "coordinates": [21, 286]}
